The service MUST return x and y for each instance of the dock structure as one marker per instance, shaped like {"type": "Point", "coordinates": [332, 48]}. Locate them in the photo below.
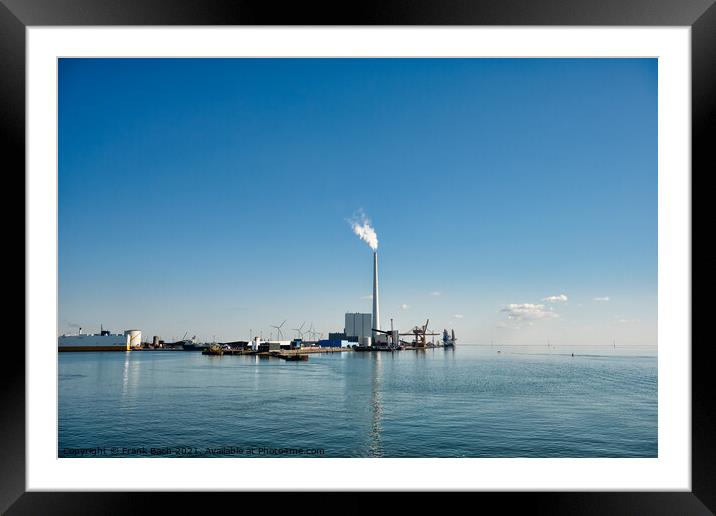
{"type": "Point", "coordinates": [289, 354]}
{"type": "Point", "coordinates": [284, 353]}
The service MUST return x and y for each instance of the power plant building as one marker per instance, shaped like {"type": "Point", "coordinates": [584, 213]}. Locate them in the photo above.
{"type": "Point", "coordinates": [359, 325]}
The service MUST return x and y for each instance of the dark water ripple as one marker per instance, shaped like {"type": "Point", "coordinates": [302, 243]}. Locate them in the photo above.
{"type": "Point", "coordinates": [470, 402]}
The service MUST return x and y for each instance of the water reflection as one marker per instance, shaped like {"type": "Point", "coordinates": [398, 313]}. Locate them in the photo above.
{"type": "Point", "coordinates": [375, 445]}
{"type": "Point", "coordinates": [130, 376]}
{"type": "Point", "coordinates": [125, 374]}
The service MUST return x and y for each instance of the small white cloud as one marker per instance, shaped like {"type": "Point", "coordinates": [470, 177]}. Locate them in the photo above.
{"type": "Point", "coordinates": [458, 316]}
{"type": "Point", "coordinates": [602, 299]}
{"type": "Point", "coordinates": [370, 296]}
{"type": "Point", "coordinates": [627, 321]}
{"type": "Point", "coordinates": [562, 298]}
{"type": "Point", "coordinates": [404, 306]}
{"type": "Point", "coordinates": [436, 293]}
{"type": "Point", "coordinates": [528, 312]}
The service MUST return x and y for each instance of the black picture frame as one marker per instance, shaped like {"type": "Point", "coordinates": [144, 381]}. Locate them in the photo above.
{"type": "Point", "coordinates": [16, 15]}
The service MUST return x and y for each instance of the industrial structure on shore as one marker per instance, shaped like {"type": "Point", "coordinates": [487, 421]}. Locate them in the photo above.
{"type": "Point", "coordinates": [361, 332]}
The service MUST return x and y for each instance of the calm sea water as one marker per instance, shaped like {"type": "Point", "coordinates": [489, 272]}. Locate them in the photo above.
{"type": "Point", "coordinates": [468, 402]}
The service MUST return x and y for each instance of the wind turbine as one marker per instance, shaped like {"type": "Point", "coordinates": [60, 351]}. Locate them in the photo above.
{"type": "Point", "coordinates": [278, 329]}
{"type": "Point", "coordinates": [299, 330]}
{"type": "Point", "coordinates": [311, 332]}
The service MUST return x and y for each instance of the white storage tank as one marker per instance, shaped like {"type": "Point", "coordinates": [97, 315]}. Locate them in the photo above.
{"type": "Point", "coordinates": [135, 338]}
{"type": "Point", "coordinates": [365, 341]}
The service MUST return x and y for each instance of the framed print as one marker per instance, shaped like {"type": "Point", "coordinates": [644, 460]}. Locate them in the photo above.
{"type": "Point", "coordinates": [424, 248]}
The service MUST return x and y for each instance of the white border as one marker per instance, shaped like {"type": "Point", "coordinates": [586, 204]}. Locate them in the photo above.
{"type": "Point", "coordinates": [670, 471]}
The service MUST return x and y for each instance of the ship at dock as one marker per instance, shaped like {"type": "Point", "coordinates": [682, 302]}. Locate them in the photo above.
{"type": "Point", "coordinates": [449, 339]}
{"type": "Point", "coordinates": [187, 344]}
{"type": "Point", "coordinates": [102, 341]}
{"type": "Point", "coordinates": [190, 345]}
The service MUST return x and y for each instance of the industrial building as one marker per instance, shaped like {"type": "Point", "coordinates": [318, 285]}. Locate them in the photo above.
{"type": "Point", "coordinates": [342, 336]}
{"type": "Point", "coordinates": [358, 326]}
{"type": "Point", "coordinates": [275, 345]}
{"type": "Point", "coordinates": [335, 343]}
{"type": "Point", "coordinates": [235, 344]}
{"type": "Point", "coordinates": [365, 328]}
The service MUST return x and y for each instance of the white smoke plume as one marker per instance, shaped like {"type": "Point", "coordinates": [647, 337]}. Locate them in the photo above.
{"type": "Point", "coordinates": [361, 227]}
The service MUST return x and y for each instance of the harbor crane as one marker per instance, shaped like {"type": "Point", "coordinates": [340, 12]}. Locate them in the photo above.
{"type": "Point", "coordinates": [420, 334]}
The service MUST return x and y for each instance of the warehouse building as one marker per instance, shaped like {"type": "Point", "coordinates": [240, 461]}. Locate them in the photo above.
{"type": "Point", "coordinates": [335, 343]}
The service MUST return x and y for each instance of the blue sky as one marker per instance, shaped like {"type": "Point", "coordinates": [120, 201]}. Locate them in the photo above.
{"type": "Point", "coordinates": [213, 195]}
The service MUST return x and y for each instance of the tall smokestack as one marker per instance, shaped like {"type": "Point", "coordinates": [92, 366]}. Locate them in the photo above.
{"type": "Point", "coordinates": [361, 227]}
{"type": "Point", "coordinates": [376, 302]}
